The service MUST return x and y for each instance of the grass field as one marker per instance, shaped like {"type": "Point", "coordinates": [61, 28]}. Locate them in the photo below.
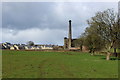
{"type": "Point", "coordinates": [36, 64]}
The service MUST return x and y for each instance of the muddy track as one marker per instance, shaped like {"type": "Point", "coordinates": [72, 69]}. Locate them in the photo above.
{"type": "Point", "coordinates": [65, 69]}
{"type": "Point", "coordinates": [41, 68]}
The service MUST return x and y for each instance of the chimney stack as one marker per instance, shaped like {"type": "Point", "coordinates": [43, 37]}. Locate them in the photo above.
{"type": "Point", "coordinates": [69, 35]}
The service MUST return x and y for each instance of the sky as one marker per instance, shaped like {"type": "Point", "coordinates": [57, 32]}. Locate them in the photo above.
{"type": "Point", "coordinates": [47, 22]}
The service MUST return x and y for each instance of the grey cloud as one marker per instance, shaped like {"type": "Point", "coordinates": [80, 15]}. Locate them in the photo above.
{"type": "Point", "coordinates": [23, 15]}
{"type": "Point", "coordinates": [52, 15]}
{"type": "Point", "coordinates": [39, 36]}
{"type": "Point", "coordinates": [20, 17]}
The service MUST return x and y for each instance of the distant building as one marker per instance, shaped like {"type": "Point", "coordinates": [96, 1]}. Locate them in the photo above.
{"type": "Point", "coordinates": [6, 45]}
{"type": "Point", "coordinates": [46, 47]}
{"type": "Point", "coordinates": [16, 47]}
{"type": "Point", "coordinates": [73, 44]}
{"type": "Point", "coordinates": [10, 46]}
{"type": "Point", "coordinates": [69, 43]}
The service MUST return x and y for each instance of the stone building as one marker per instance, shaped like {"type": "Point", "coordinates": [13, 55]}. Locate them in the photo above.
{"type": "Point", "coordinates": [69, 43]}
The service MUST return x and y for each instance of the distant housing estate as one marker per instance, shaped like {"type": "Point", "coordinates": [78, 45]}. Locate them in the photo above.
{"type": "Point", "coordinates": [10, 46]}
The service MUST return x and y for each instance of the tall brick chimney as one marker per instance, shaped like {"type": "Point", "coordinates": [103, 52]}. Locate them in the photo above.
{"type": "Point", "coordinates": [69, 35]}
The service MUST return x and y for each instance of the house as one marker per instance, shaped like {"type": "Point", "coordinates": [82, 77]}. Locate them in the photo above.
{"type": "Point", "coordinates": [16, 47]}
{"type": "Point", "coordinates": [12, 47]}
{"type": "Point", "coordinates": [37, 47]}
{"type": "Point", "coordinates": [46, 47]}
{"type": "Point", "coordinates": [26, 48]}
{"type": "Point", "coordinates": [6, 45]}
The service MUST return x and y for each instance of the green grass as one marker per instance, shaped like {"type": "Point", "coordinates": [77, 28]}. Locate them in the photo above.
{"type": "Point", "coordinates": [36, 64]}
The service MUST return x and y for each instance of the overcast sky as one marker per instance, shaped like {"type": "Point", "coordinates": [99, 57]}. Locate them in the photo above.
{"type": "Point", "coordinates": [47, 22]}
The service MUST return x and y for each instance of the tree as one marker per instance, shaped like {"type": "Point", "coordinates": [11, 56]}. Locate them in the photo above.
{"type": "Point", "coordinates": [30, 43]}
{"type": "Point", "coordinates": [81, 42]}
{"type": "Point", "coordinates": [104, 26]}
{"type": "Point", "coordinates": [92, 40]}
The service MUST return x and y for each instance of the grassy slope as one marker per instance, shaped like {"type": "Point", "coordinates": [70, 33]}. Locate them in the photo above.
{"type": "Point", "coordinates": [35, 64]}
